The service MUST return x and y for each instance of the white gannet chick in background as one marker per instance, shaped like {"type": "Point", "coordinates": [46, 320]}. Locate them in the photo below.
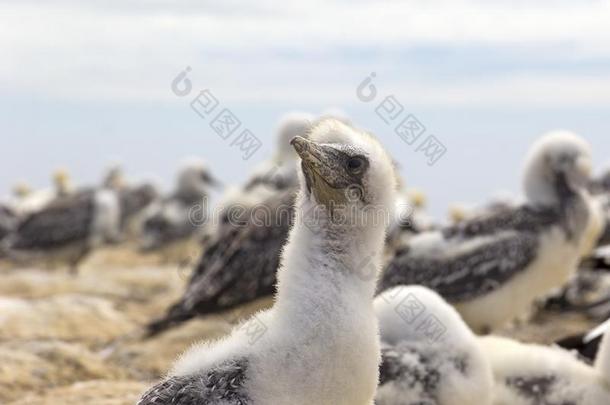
{"type": "Point", "coordinates": [168, 223]}
{"type": "Point", "coordinates": [319, 343]}
{"type": "Point", "coordinates": [429, 355]}
{"type": "Point", "coordinates": [529, 374]}
{"type": "Point", "coordinates": [279, 172]}
{"type": "Point", "coordinates": [492, 268]}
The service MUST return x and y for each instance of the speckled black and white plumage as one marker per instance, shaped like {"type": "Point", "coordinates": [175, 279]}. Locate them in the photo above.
{"type": "Point", "coordinates": [221, 385]}
{"type": "Point", "coordinates": [503, 245]}
{"type": "Point", "coordinates": [538, 390]}
{"type": "Point", "coordinates": [419, 375]}
{"type": "Point", "coordinates": [238, 266]}
{"type": "Point", "coordinates": [429, 355]}
{"type": "Point", "coordinates": [180, 216]}
{"type": "Point", "coordinates": [8, 221]}
{"type": "Point", "coordinates": [527, 374]}
{"type": "Point", "coordinates": [69, 227]}
{"type": "Point", "coordinates": [133, 200]}
{"type": "Point", "coordinates": [494, 266]}
{"type": "Point", "coordinates": [64, 221]}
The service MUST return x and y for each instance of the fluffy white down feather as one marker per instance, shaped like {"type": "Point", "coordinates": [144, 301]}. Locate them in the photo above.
{"type": "Point", "coordinates": [573, 381]}
{"type": "Point", "coordinates": [473, 385]}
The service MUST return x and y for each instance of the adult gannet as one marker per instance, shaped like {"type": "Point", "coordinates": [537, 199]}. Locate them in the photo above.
{"type": "Point", "coordinates": [319, 343]}
{"type": "Point", "coordinates": [492, 268]}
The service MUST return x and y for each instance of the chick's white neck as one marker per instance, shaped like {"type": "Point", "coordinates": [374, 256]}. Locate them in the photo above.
{"type": "Point", "coordinates": [325, 262]}
{"type": "Point", "coordinates": [324, 315]}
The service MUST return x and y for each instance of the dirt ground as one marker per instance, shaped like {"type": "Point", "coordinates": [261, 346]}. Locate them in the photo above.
{"type": "Point", "coordinates": [68, 339]}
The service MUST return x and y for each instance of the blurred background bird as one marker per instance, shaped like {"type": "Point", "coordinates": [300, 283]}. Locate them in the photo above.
{"type": "Point", "coordinates": [66, 229]}
{"type": "Point", "coordinates": [176, 221]}
{"type": "Point", "coordinates": [242, 253]}
{"type": "Point", "coordinates": [481, 265]}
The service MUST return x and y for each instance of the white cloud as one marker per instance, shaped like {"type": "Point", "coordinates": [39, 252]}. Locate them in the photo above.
{"type": "Point", "coordinates": [131, 49]}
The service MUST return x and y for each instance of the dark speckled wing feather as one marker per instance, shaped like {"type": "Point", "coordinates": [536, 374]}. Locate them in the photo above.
{"type": "Point", "coordinates": [405, 366]}
{"type": "Point", "coordinates": [472, 274]}
{"type": "Point", "coordinates": [420, 369]}
{"type": "Point", "coordinates": [223, 385]}
{"type": "Point", "coordinates": [507, 242]}
{"type": "Point", "coordinates": [238, 267]}
{"type": "Point", "coordinates": [8, 221]}
{"type": "Point", "coordinates": [523, 219]}
{"type": "Point", "coordinates": [135, 199]}
{"type": "Point", "coordinates": [64, 221]}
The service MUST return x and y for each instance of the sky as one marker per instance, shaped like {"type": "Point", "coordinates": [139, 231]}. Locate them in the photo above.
{"type": "Point", "coordinates": [84, 85]}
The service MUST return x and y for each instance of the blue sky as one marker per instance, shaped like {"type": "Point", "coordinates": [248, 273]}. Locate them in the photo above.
{"type": "Point", "coordinates": [85, 84]}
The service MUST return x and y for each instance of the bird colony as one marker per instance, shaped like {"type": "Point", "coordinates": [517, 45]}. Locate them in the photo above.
{"type": "Point", "coordinates": [319, 280]}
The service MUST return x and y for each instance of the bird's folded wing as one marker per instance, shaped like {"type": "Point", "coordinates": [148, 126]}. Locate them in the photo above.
{"type": "Point", "coordinates": [470, 272]}
{"type": "Point", "coordinates": [63, 221]}
{"type": "Point", "coordinates": [241, 264]}
{"type": "Point", "coordinates": [222, 385]}
{"type": "Point", "coordinates": [524, 218]}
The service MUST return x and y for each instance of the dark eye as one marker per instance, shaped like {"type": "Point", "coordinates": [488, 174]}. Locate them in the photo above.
{"type": "Point", "coordinates": [355, 164]}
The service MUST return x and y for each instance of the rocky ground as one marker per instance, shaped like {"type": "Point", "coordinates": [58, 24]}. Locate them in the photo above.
{"type": "Point", "coordinates": [68, 339]}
